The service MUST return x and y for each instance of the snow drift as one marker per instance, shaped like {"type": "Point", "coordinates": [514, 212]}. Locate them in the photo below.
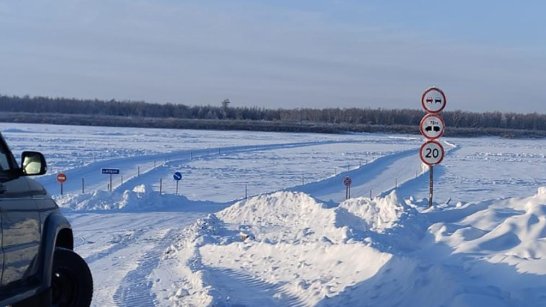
{"type": "Point", "coordinates": [140, 198]}
{"type": "Point", "coordinates": [381, 251]}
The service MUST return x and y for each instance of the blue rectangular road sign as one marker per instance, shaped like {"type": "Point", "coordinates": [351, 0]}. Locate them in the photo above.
{"type": "Point", "coordinates": [110, 171]}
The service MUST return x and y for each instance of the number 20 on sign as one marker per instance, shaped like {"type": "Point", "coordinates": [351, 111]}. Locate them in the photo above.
{"type": "Point", "coordinates": [432, 153]}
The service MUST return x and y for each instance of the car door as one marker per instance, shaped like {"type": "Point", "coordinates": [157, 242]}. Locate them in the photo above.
{"type": "Point", "coordinates": [20, 223]}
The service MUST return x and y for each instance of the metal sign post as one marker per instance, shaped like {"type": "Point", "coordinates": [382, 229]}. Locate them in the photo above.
{"type": "Point", "coordinates": [61, 178]}
{"type": "Point", "coordinates": [431, 186]}
{"type": "Point", "coordinates": [432, 127]}
{"type": "Point", "coordinates": [110, 171]}
{"type": "Point", "coordinates": [347, 182]}
{"type": "Point", "coordinates": [177, 176]}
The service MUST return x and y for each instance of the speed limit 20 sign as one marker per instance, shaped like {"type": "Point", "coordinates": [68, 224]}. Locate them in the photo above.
{"type": "Point", "coordinates": [432, 153]}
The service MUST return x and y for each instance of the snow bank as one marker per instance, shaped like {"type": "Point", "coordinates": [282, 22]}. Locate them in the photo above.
{"type": "Point", "coordinates": [289, 217]}
{"type": "Point", "coordinates": [140, 198]}
{"type": "Point", "coordinates": [377, 214]}
{"type": "Point", "coordinates": [285, 241]}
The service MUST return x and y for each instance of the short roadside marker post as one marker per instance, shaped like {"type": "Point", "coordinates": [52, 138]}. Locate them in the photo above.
{"type": "Point", "coordinates": [432, 127]}
{"type": "Point", "coordinates": [160, 186]}
{"type": "Point", "coordinates": [83, 185]}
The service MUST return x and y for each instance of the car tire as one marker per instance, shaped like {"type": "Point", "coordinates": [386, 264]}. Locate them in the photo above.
{"type": "Point", "coordinates": [71, 280]}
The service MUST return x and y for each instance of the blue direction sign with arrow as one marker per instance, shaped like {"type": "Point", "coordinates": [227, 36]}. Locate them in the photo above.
{"type": "Point", "coordinates": [177, 176]}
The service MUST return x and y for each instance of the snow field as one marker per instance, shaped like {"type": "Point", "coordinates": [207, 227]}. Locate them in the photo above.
{"type": "Point", "coordinates": [297, 241]}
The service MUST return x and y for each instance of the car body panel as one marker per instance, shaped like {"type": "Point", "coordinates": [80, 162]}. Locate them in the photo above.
{"type": "Point", "coordinates": [21, 231]}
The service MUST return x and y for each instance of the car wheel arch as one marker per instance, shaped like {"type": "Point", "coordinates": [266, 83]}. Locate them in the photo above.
{"type": "Point", "coordinates": [57, 232]}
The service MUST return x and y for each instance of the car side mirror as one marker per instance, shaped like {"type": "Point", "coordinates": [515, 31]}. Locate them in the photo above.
{"type": "Point", "coordinates": [34, 163]}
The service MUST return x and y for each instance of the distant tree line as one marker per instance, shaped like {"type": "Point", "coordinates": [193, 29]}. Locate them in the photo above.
{"type": "Point", "coordinates": [345, 117]}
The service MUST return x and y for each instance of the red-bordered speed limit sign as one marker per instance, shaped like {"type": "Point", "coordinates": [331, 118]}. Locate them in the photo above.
{"type": "Point", "coordinates": [432, 153]}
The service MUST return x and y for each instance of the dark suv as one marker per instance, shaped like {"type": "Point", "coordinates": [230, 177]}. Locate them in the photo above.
{"type": "Point", "coordinates": [37, 264]}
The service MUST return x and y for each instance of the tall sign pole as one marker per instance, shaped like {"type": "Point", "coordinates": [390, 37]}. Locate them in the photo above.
{"type": "Point", "coordinates": [432, 127]}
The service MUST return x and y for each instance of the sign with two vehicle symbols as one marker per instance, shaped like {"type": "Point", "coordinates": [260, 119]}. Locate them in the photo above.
{"type": "Point", "coordinates": [433, 100]}
{"type": "Point", "coordinates": [432, 126]}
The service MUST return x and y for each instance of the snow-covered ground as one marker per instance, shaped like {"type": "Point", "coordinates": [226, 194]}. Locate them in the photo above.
{"type": "Point", "coordinates": [295, 240]}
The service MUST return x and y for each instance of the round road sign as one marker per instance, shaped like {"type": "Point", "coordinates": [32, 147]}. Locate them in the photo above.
{"type": "Point", "coordinates": [432, 153]}
{"type": "Point", "coordinates": [177, 176]}
{"type": "Point", "coordinates": [61, 178]}
{"type": "Point", "coordinates": [347, 181]}
{"type": "Point", "coordinates": [433, 100]}
{"type": "Point", "coordinates": [432, 126]}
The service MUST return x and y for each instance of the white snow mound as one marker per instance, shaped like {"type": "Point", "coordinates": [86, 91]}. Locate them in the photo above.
{"type": "Point", "coordinates": [141, 198]}
{"type": "Point", "coordinates": [290, 217]}
{"type": "Point", "coordinates": [377, 214]}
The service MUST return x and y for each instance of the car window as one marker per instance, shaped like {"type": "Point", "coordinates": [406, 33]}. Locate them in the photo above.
{"type": "Point", "coordinates": [4, 162]}
{"type": "Point", "coordinates": [6, 159]}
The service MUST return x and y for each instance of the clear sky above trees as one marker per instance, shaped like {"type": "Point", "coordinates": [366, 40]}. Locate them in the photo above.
{"type": "Point", "coordinates": [486, 55]}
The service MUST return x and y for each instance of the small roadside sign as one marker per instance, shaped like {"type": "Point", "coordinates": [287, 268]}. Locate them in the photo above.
{"type": "Point", "coordinates": [432, 126]}
{"type": "Point", "coordinates": [433, 100]}
{"type": "Point", "coordinates": [110, 171]}
{"type": "Point", "coordinates": [61, 178]}
{"type": "Point", "coordinates": [432, 153]}
{"type": "Point", "coordinates": [347, 181]}
{"type": "Point", "coordinates": [177, 176]}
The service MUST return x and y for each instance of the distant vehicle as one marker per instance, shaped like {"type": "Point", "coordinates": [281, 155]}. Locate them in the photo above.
{"type": "Point", "coordinates": [38, 266]}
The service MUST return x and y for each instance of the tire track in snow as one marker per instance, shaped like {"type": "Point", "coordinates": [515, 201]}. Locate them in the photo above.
{"type": "Point", "coordinates": [231, 288]}
{"type": "Point", "coordinates": [135, 288]}
{"type": "Point", "coordinates": [122, 243]}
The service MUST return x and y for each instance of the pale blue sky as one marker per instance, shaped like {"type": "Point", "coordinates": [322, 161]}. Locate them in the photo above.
{"type": "Point", "coordinates": [486, 55]}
